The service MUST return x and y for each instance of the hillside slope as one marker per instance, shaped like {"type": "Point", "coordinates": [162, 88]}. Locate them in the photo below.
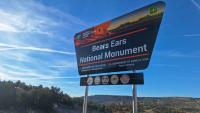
{"type": "Point", "coordinates": [153, 104]}
{"type": "Point", "coordinates": [21, 98]}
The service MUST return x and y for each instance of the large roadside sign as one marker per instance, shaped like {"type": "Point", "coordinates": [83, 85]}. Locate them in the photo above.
{"type": "Point", "coordinates": [122, 44]}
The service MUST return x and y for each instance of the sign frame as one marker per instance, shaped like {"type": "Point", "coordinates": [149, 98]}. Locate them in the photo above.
{"type": "Point", "coordinates": [121, 44]}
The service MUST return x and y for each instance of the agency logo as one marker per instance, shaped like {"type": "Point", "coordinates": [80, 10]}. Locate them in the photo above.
{"type": "Point", "coordinates": [114, 79]}
{"type": "Point", "coordinates": [125, 79]}
{"type": "Point", "coordinates": [105, 80]}
{"type": "Point", "coordinates": [97, 80]}
{"type": "Point", "coordinates": [90, 81]}
{"type": "Point", "coordinates": [78, 37]}
{"type": "Point", "coordinates": [153, 10]}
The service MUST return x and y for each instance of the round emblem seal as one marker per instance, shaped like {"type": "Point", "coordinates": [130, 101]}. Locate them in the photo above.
{"type": "Point", "coordinates": [125, 79]}
{"type": "Point", "coordinates": [97, 80]}
{"type": "Point", "coordinates": [114, 79]}
{"type": "Point", "coordinates": [105, 80]}
{"type": "Point", "coordinates": [90, 81]}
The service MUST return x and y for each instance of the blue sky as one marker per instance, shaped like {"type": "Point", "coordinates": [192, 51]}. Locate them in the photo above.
{"type": "Point", "coordinates": [36, 44]}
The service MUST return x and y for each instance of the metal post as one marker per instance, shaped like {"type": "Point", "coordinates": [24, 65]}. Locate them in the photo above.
{"type": "Point", "coordinates": [134, 92]}
{"type": "Point", "coordinates": [85, 99]}
{"type": "Point", "coordinates": [134, 97]}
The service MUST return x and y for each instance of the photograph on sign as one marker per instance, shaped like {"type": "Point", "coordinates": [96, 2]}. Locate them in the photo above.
{"type": "Point", "coordinates": [122, 44]}
{"type": "Point", "coordinates": [115, 79]}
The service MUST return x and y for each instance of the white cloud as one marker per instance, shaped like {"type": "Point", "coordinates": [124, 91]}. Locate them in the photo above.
{"type": "Point", "coordinates": [34, 17]}
{"type": "Point", "coordinates": [22, 73]}
{"type": "Point", "coordinates": [6, 49]}
{"type": "Point", "coordinates": [65, 64]}
{"type": "Point", "coordinates": [16, 47]}
{"type": "Point", "coordinates": [196, 4]}
{"type": "Point", "coordinates": [166, 65]}
{"type": "Point", "coordinates": [7, 28]}
{"type": "Point", "coordinates": [20, 22]}
{"type": "Point", "coordinates": [192, 35]}
{"type": "Point", "coordinates": [24, 54]}
{"type": "Point", "coordinates": [177, 54]}
{"type": "Point", "coordinates": [59, 77]}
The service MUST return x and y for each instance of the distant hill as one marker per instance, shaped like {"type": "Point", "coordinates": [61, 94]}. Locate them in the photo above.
{"type": "Point", "coordinates": [109, 99]}
{"type": "Point", "coordinates": [17, 97]}
{"type": "Point", "coordinates": [153, 104]}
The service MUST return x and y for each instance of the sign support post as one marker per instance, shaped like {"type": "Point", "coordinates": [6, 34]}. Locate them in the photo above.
{"type": "Point", "coordinates": [85, 98]}
{"type": "Point", "coordinates": [134, 93]}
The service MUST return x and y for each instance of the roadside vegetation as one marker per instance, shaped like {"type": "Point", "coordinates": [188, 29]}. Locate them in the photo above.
{"type": "Point", "coordinates": [17, 97]}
